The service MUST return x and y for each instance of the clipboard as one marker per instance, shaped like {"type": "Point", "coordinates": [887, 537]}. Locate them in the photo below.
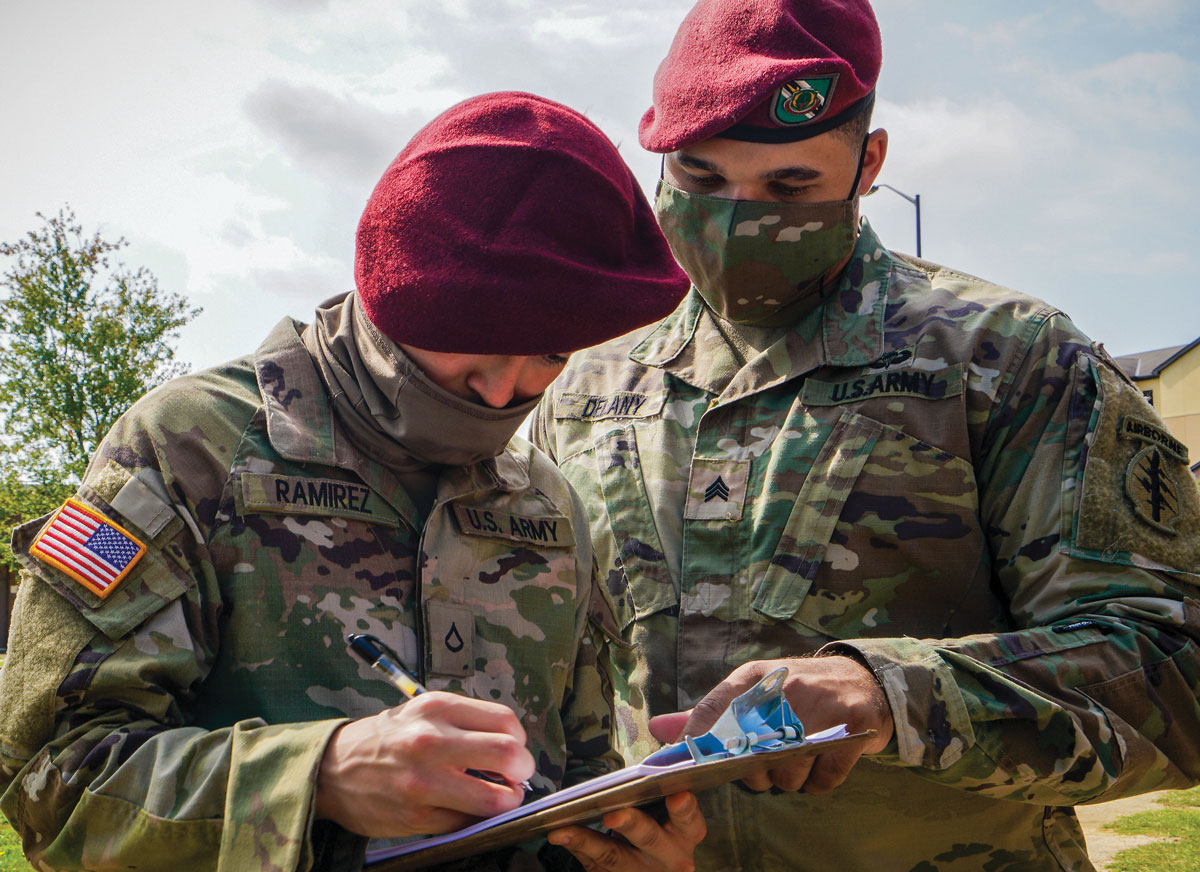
{"type": "Point", "coordinates": [756, 733]}
{"type": "Point", "coordinates": [592, 807]}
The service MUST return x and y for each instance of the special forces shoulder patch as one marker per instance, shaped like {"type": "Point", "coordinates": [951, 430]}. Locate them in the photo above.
{"type": "Point", "coordinates": [1153, 490]}
{"type": "Point", "coordinates": [92, 549]}
{"type": "Point", "coordinates": [1138, 503]}
{"type": "Point", "coordinates": [1149, 482]}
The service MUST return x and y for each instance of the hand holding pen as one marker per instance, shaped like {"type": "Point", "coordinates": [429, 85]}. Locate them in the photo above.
{"type": "Point", "coordinates": [372, 651]}
{"type": "Point", "coordinates": [404, 770]}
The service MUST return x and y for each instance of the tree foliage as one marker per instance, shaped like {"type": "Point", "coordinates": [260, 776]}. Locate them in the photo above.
{"type": "Point", "coordinates": [23, 499]}
{"type": "Point", "coordinates": [81, 337]}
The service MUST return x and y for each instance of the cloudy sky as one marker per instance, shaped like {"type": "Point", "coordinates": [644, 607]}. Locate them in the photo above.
{"type": "Point", "coordinates": [234, 142]}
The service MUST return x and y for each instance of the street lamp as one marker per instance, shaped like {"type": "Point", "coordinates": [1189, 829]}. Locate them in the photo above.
{"type": "Point", "coordinates": [915, 200]}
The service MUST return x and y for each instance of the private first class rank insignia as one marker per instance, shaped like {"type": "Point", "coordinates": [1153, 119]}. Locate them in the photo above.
{"type": "Point", "coordinates": [87, 546]}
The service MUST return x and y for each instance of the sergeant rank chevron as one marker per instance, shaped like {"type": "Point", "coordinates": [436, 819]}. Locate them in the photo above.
{"type": "Point", "coordinates": [718, 490]}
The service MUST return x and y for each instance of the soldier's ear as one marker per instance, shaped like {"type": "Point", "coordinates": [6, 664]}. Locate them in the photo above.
{"type": "Point", "coordinates": [875, 151]}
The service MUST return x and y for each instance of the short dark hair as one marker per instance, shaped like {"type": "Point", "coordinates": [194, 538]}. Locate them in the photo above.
{"type": "Point", "coordinates": [855, 128]}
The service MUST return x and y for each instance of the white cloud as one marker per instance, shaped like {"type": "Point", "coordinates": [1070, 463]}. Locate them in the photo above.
{"type": "Point", "coordinates": [335, 135]}
{"type": "Point", "coordinates": [1145, 91]}
{"type": "Point", "coordinates": [996, 140]}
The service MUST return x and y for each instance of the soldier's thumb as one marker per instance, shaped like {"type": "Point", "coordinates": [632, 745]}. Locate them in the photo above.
{"type": "Point", "coordinates": [668, 728]}
{"type": "Point", "coordinates": [706, 712]}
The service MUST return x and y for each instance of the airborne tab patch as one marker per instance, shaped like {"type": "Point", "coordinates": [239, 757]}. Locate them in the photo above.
{"type": "Point", "coordinates": [297, 495]}
{"type": "Point", "coordinates": [909, 382]}
{"type": "Point", "coordinates": [96, 552]}
{"type": "Point", "coordinates": [598, 407]}
{"type": "Point", "coordinates": [1133, 427]}
{"type": "Point", "coordinates": [554, 530]}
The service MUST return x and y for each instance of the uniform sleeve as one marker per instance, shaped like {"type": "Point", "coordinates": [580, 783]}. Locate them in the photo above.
{"type": "Point", "coordinates": [102, 764]}
{"type": "Point", "coordinates": [1093, 526]}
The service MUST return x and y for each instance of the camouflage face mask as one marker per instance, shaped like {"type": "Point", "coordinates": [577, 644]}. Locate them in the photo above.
{"type": "Point", "coordinates": [751, 260]}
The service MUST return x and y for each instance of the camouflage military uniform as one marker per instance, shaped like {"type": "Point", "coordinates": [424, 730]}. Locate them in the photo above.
{"type": "Point", "coordinates": [180, 721]}
{"type": "Point", "coordinates": [945, 478]}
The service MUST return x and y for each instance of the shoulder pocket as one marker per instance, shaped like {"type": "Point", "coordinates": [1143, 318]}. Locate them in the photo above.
{"type": "Point", "coordinates": [1136, 501]}
{"type": "Point", "coordinates": [137, 591]}
{"type": "Point", "coordinates": [34, 670]}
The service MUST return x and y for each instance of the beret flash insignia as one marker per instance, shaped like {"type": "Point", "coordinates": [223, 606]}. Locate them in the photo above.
{"type": "Point", "coordinates": [802, 100]}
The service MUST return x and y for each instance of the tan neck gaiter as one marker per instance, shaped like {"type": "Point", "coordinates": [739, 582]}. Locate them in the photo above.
{"type": "Point", "coordinates": [389, 407]}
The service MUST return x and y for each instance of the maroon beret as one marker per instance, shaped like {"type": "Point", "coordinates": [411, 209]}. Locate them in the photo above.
{"type": "Point", "coordinates": [763, 71]}
{"type": "Point", "coordinates": [511, 225]}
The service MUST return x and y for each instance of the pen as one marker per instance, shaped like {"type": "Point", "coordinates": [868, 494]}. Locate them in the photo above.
{"type": "Point", "coordinates": [372, 651]}
{"type": "Point", "coordinates": [375, 654]}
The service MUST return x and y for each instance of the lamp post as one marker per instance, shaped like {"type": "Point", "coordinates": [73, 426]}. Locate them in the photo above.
{"type": "Point", "coordinates": [915, 200]}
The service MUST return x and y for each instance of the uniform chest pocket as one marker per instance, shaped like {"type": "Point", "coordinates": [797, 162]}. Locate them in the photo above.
{"type": "Point", "coordinates": [319, 532]}
{"type": "Point", "coordinates": [317, 575]}
{"type": "Point", "coordinates": [500, 597]}
{"type": "Point", "coordinates": [883, 537]}
{"type": "Point", "coordinates": [810, 524]}
{"type": "Point", "coordinates": [647, 587]}
{"type": "Point", "coordinates": [323, 556]}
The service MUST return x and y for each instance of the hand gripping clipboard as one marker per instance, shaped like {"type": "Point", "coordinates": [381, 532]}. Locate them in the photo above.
{"type": "Point", "coordinates": [756, 733]}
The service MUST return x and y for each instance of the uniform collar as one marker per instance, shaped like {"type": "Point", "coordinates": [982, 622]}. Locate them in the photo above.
{"type": "Point", "coordinates": [302, 428]}
{"type": "Point", "coordinates": [299, 418]}
{"type": "Point", "coordinates": [846, 330]}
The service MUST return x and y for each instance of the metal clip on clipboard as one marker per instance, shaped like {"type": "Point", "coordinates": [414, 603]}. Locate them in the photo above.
{"type": "Point", "coordinates": [759, 720]}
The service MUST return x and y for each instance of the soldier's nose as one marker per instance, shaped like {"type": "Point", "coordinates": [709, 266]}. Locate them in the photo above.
{"type": "Point", "coordinates": [496, 381]}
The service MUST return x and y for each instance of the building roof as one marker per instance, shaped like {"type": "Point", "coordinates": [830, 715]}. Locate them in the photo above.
{"type": "Point", "coordinates": [1150, 364]}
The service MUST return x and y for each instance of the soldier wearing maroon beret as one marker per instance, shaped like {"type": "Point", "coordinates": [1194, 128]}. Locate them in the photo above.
{"type": "Point", "coordinates": [934, 500]}
{"type": "Point", "coordinates": [177, 691]}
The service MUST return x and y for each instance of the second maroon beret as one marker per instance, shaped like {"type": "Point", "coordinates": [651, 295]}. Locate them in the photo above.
{"type": "Point", "coordinates": [763, 71]}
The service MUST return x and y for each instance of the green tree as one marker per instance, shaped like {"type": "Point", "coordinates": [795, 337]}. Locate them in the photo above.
{"type": "Point", "coordinates": [23, 499]}
{"type": "Point", "coordinates": [81, 337]}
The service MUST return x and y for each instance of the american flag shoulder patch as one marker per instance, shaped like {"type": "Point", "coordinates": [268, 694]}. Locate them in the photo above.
{"type": "Point", "coordinates": [96, 552]}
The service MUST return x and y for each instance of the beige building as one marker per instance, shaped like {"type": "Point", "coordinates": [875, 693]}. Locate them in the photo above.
{"type": "Point", "coordinates": [1170, 379]}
